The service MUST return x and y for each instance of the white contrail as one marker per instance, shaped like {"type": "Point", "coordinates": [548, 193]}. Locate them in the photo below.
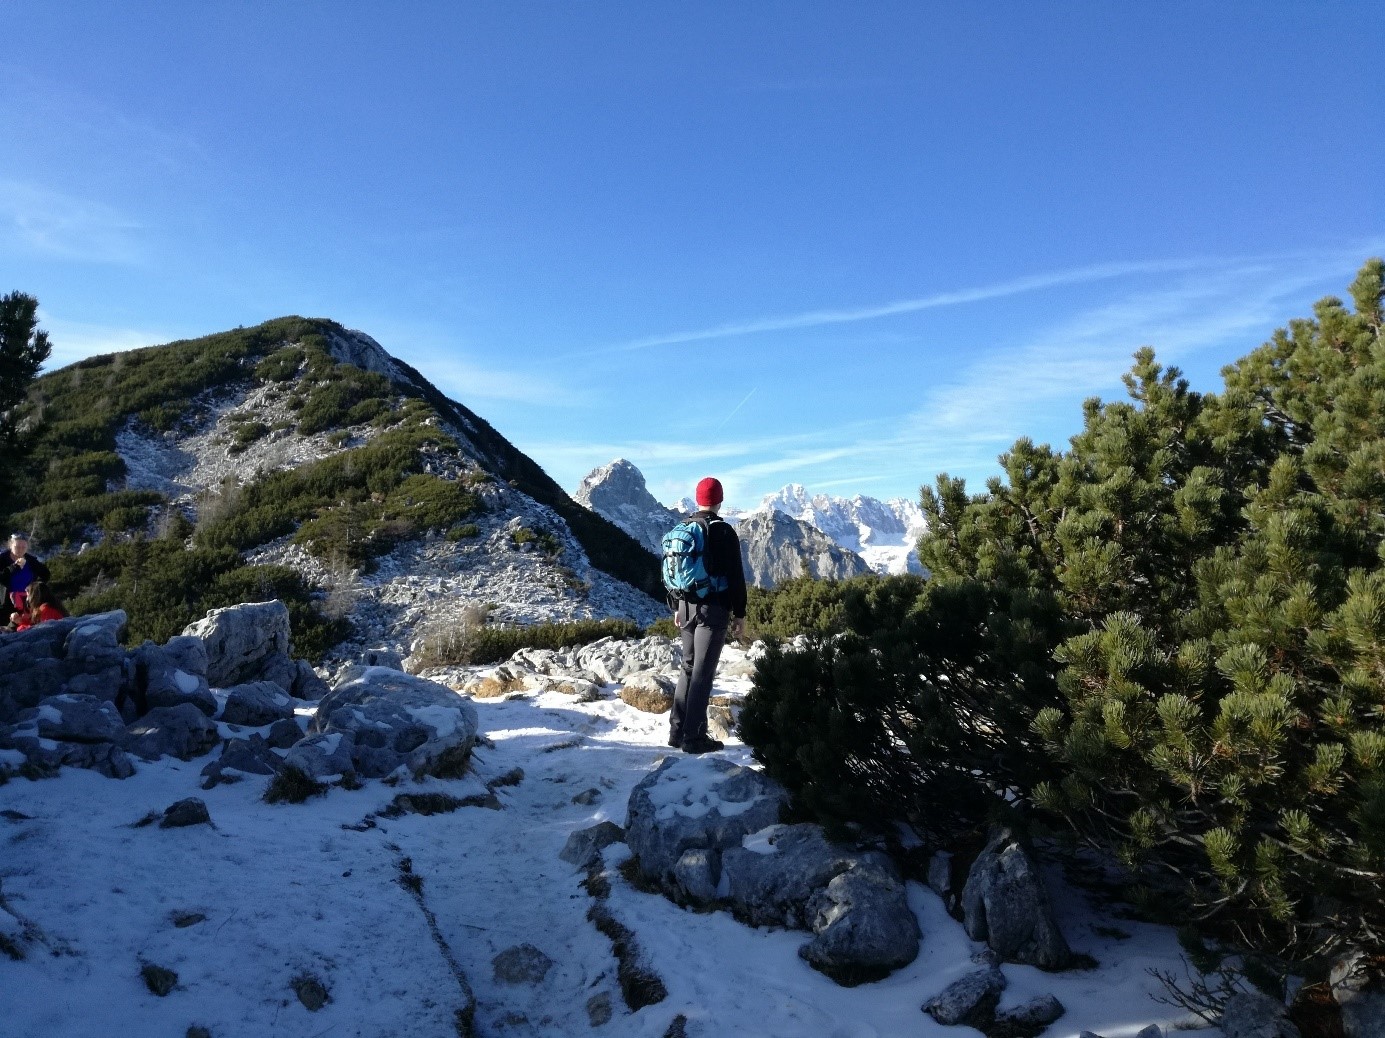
{"type": "Point", "coordinates": [817, 318]}
{"type": "Point", "coordinates": [736, 408]}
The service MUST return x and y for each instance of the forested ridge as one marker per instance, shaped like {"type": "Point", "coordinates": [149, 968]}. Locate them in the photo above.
{"type": "Point", "coordinates": [65, 483]}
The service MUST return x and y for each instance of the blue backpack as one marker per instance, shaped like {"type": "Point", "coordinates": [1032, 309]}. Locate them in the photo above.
{"type": "Point", "coordinates": [685, 567]}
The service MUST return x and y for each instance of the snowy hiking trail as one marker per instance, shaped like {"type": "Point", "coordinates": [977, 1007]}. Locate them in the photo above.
{"type": "Point", "coordinates": [297, 890]}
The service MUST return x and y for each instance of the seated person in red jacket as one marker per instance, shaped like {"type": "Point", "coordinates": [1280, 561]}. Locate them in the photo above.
{"type": "Point", "coordinates": [19, 569]}
{"type": "Point", "coordinates": [40, 604]}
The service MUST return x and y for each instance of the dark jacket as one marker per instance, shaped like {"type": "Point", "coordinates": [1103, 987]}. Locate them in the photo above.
{"type": "Point", "coordinates": [17, 578]}
{"type": "Point", "coordinates": [723, 559]}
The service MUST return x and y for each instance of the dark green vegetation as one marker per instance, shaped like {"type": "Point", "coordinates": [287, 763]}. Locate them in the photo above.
{"type": "Point", "coordinates": [472, 641]}
{"type": "Point", "coordinates": [23, 349]}
{"type": "Point", "coordinates": [352, 506]}
{"type": "Point", "coordinates": [346, 509]}
{"type": "Point", "coordinates": [1168, 640]}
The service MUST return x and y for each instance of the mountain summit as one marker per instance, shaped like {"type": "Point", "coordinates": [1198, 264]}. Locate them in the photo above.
{"type": "Point", "coordinates": [298, 459]}
{"type": "Point", "coordinates": [617, 491]}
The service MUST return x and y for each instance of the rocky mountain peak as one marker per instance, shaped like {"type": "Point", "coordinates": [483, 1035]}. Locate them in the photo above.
{"type": "Point", "coordinates": [617, 491]}
{"type": "Point", "coordinates": [776, 547]}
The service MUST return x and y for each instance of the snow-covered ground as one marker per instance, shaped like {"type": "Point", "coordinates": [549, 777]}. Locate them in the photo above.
{"type": "Point", "coordinates": [278, 892]}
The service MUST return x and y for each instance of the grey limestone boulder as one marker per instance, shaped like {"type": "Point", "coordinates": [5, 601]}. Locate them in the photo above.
{"type": "Point", "coordinates": [167, 684]}
{"type": "Point", "coordinates": [693, 802]}
{"type": "Point", "coordinates": [1358, 985]}
{"type": "Point", "coordinates": [106, 758]}
{"type": "Point", "coordinates": [256, 703]}
{"type": "Point", "coordinates": [192, 811]}
{"type": "Point", "coordinates": [863, 926]}
{"type": "Point", "coordinates": [970, 1000]}
{"type": "Point", "coordinates": [296, 677]}
{"type": "Point", "coordinates": [240, 640]}
{"type": "Point", "coordinates": [283, 734]}
{"type": "Point", "coordinates": [181, 731]}
{"type": "Point", "coordinates": [585, 846]}
{"type": "Point", "coordinates": [78, 718]}
{"type": "Point", "coordinates": [1033, 1016]}
{"type": "Point", "coordinates": [707, 833]}
{"type": "Point", "coordinates": [240, 757]}
{"type": "Point", "coordinates": [1253, 1014]}
{"type": "Point", "coordinates": [611, 660]}
{"type": "Point", "coordinates": [697, 875]}
{"type": "Point", "coordinates": [398, 720]}
{"type": "Point", "coordinates": [94, 641]}
{"type": "Point", "coordinates": [853, 901]}
{"type": "Point", "coordinates": [1005, 904]}
{"type": "Point", "coordinates": [782, 868]}
{"type": "Point", "coordinates": [30, 682]}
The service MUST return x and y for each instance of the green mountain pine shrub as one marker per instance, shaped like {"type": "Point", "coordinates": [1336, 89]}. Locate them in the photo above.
{"type": "Point", "coordinates": [1170, 637]}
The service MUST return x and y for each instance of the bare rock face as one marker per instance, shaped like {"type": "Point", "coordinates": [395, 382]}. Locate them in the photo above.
{"type": "Point", "coordinates": [776, 547]}
{"type": "Point", "coordinates": [617, 492]}
{"type": "Point", "coordinates": [1005, 904]}
{"type": "Point", "coordinates": [242, 641]}
{"type": "Point", "coordinates": [969, 1000]}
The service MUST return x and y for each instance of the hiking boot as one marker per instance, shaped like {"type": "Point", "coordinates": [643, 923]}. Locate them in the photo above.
{"type": "Point", "coordinates": [702, 744]}
{"type": "Point", "coordinates": [676, 741]}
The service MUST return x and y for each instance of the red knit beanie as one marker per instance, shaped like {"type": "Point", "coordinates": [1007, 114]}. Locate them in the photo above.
{"type": "Point", "coordinates": [709, 492]}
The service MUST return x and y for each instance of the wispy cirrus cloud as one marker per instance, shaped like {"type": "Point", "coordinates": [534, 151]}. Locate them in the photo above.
{"type": "Point", "coordinates": [38, 220]}
{"type": "Point", "coordinates": [822, 317]}
{"type": "Point", "coordinates": [1034, 387]}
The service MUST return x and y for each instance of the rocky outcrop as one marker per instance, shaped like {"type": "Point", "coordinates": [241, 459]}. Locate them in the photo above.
{"type": "Point", "coordinates": [1005, 904]}
{"type": "Point", "coordinates": [60, 681]}
{"type": "Point", "coordinates": [776, 547]}
{"type": "Point", "coordinates": [617, 492]}
{"type": "Point", "coordinates": [853, 901]}
{"type": "Point", "coordinates": [81, 655]}
{"type": "Point", "coordinates": [250, 642]}
{"type": "Point", "coordinates": [383, 719]}
{"type": "Point", "coordinates": [707, 832]}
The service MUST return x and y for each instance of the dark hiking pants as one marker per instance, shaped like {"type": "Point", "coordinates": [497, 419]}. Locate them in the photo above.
{"type": "Point", "coordinates": [704, 632]}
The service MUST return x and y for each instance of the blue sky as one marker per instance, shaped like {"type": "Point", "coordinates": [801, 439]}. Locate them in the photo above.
{"type": "Point", "coordinates": [848, 245]}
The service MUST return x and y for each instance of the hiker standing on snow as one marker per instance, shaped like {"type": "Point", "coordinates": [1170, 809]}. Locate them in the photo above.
{"type": "Point", "coordinates": [703, 615]}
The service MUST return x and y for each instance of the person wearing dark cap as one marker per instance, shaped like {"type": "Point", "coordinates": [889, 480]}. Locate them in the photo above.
{"type": "Point", "coordinates": [704, 620]}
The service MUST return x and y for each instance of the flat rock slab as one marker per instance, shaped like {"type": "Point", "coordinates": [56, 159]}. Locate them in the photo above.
{"type": "Point", "coordinates": [696, 802]}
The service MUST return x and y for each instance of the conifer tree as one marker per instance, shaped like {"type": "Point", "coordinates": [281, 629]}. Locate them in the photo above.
{"type": "Point", "coordinates": [23, 349]}
{"type": "Point", "coordinates": [1170, 636]}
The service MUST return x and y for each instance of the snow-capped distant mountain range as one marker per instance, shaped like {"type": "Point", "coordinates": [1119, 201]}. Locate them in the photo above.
{"type": "Point", "coordinates": [882, 533]}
